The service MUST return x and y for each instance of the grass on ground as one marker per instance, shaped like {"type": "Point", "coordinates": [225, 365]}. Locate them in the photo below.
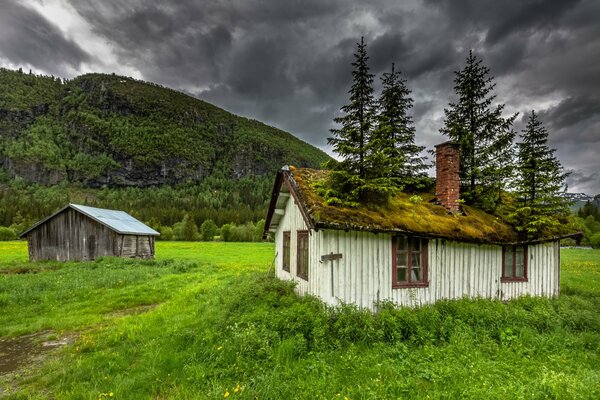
{"type": "Point", "coordinates": [221, 327]}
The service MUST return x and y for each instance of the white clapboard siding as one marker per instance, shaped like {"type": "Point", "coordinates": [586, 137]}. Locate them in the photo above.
{"type": "Point", "coordinates": [292, 221]}
{"type": "Point", "coordinates": [363, 276]}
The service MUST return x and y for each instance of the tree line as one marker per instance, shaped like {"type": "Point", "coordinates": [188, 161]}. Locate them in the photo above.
{"type": "Point", "coordinates": [375, 141]}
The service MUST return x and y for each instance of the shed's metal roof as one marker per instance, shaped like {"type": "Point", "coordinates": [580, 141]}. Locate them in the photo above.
{"type": "Point", "coordinates": [118, 221]}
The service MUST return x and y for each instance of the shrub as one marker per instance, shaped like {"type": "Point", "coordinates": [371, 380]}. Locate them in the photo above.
{"type": "Point", "coordinates": [208, 230]}
{"type": "Point", "coordinates": [7, 233]}
{"type": "Point", "coordinates": [595, 241]}
{"type": "Point", "coordinates": [226, 233]}
{"type": "Point", "coordinates": [166, 233]}
{"type": "Point", "coordinates": [186, 229]}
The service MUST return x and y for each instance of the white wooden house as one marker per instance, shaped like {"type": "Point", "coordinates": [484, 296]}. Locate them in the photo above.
{"type": "Point", "coordinates": [410, 252]}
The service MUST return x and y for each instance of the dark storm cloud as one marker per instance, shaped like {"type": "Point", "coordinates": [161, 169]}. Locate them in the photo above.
{"type": "Point", "coordinates": [574, 110]}
{"type": "Point", "coordinates": [288, 63]}
{"type": "Point", "coordinates": [26, 37]}
{"type": "Point", "coordinates": [580, 179]}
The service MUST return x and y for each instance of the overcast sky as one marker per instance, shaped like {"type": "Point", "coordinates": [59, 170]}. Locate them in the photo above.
{"type": "Point", "coordinates": [287, 63]}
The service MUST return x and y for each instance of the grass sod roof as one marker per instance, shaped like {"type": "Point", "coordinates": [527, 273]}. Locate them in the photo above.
{"type": "Point", "coordinates": [424, 218]}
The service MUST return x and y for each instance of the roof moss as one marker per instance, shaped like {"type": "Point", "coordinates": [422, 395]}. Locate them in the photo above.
{"type": "Point", "coordinates": [402, 214]}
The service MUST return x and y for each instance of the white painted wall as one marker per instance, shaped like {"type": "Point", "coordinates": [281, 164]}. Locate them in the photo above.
{"type": "Point", "coordinates": [364, 274]}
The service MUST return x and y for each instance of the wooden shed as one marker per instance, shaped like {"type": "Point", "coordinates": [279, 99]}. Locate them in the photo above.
{"type": "Point", "coordinates": [79, 233]}
{"type": "Point", "coordinates": [410, 253]}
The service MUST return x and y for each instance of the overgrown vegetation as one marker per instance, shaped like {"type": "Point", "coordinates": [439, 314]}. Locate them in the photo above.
{"type": "Point", "coordinates": [376, 141]}
{"type": "Point", "coordinates": [539, 182]}
{"type": "Point", "coordinates": [219, 325]}
{"type": "Point", "coordinates": [485, 136]}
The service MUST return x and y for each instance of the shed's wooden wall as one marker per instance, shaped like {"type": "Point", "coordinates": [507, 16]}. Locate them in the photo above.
{"type": "Point", "coordinates": [72, 236]}
{"type": "Point", "coordinates": [135, 246]}
{"type": "Point", "coordinates": [364, 274]}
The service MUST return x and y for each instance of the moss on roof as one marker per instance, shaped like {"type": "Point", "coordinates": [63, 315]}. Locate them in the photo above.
{"type": "Point", "coordinates": [401, 215]}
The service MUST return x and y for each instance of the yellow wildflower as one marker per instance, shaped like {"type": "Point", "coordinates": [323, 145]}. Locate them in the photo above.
{"type": "Point", "coordinates": [219, 348]}
{"type": "Point", "coordinates": [226, 395]}
{"type": "Point", "coordinates": [237, 389]}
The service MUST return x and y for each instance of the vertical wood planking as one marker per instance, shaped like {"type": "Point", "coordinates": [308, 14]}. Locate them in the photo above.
{"type": "Point", "coordinates": [363, 275]}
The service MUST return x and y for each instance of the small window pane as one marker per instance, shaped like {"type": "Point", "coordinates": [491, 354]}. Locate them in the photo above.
{"type": "Point", "coordinates": [520, 262]}
{"type": "Point", "coordinates": [416, 260]}
{"type": "Point", "coordinates": [401, 259]}
{"type": "Point", "coordinates": [402, 243]}
{"type": "Point", "coordinates": [508, 262]}
{"type": "Point", "coordinates": [520, 272]}
{"type": "Point", "coordinates": [286, 251]}
{"type": "Point", "coordinates": [302, 267]}
{"type": "Point", "coordinates": [401, 274]}
{"type": "Point", "coordinates": [416, 245]}
{"type": "Point", "coordinates": [416, 274]}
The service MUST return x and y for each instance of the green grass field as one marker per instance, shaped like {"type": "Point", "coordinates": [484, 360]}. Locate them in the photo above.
{"type": "Point", "coordinates": [206, 320]}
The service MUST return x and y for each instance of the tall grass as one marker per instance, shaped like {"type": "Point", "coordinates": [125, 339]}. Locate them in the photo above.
{"type": "Point", "coordinates": [218, 327]}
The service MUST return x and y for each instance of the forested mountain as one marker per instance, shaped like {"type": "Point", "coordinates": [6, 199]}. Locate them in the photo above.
{"type": "Point", "coordinates": [108, 130]}
{"type": "Point", "coordinates": [102, 138]}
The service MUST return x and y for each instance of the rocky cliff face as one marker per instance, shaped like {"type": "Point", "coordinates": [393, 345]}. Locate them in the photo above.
{"type": "Point", "coordinates": [106, 130]}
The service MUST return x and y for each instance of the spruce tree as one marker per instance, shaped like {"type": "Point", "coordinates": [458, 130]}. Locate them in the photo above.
{"type": "Point", "coordinates": [485, 137]}
{"type": "Point", "coordinates": [393, 140]}
{"type": "Point", "coordinates": [350, 141]}
{"type": "Point", "coordinates": [351, 180]}
{"type": "Point", "coordinates": [539, 182]}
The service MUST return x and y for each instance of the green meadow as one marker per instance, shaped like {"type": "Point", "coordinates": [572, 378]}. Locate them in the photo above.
{"type": "Point", "coordinates": [209, 321]}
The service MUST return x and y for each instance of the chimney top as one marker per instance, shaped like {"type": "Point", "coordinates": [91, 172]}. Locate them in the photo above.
{"type": "Point", "coordinates": [448, 143]}
{"type": "Point", "coordinates": [447, 171]}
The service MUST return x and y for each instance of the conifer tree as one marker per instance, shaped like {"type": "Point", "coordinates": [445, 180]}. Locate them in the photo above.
{"type": "Point", "coordinates": [352, 180]}
{"type": "Point", "coordinates": [485, 137]}
{"type": "Point", "coordinates": [350, 141]}
{"type": "Point", "coordinates": [539, 182]}
{"type": "Point", "coordinates": [393, 140]}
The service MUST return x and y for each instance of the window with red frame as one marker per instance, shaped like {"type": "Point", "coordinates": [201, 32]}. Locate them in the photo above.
{"type": "Point", "coordinates": [409, 262]}
{"type": "Point", "coordinates": [286, 251]}
{"type": "Point", "coordinates": [514, 264]}
{"type": "Point", "coordinates": [302, 254]}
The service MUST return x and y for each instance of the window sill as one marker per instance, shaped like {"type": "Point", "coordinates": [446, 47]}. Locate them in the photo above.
{"type": "Point", "coordinates": [305, 277]}
{"type": "Point", "coordinates": [410, 285]}
{"type": "Point", "coordinates": [509, 280]}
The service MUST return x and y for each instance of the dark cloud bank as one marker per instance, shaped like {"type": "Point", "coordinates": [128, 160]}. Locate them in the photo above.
{"type": "Point", "coordinates": [288, 63]}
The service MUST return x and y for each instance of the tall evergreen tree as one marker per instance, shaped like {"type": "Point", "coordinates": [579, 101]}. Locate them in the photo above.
{"type": "Point", "coordinates": [393, 139]}
{"type": "Point", "coordinates": [350, 141]}
{"type": "Point", "coordinates": [539, 182]}
{"type": "Point", "coordinates": [352, 180]}
{"type": "Point", "coordinates": [485, 137]}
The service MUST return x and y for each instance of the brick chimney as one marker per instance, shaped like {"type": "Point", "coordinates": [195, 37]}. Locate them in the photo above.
{"type": "Point", "coordinates": [447, 172]}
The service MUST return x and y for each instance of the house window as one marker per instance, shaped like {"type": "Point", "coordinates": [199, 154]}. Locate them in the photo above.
{"type": "Point", "coordinates": [409, 262]}
{"type": "Point", "coordinates": [286, 251]}
{"type": "Point", "coordinates": [302, 255]}
{"type": "Point", "coordinates": [514, 264]}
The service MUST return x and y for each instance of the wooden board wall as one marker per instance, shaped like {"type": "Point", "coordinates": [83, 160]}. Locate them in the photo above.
{"type": "Point", "coordinates": [73, 236]}
{"type": "Point", "coordinates": [363, 276]}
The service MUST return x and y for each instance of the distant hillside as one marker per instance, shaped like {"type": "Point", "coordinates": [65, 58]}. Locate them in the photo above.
{"type": "Point", "coordinates": [111, 131]}
{"type": "Point", "coordinates": [579, 199]}
{"type": "Point", "coordinates": [114, 142]}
